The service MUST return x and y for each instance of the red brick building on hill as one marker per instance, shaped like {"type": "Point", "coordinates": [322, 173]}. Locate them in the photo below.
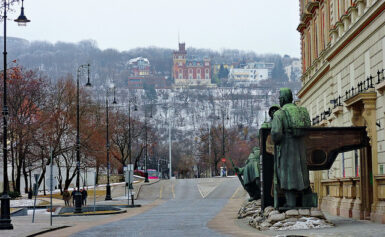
{"type": "Point", "coordinates": [190, 72]}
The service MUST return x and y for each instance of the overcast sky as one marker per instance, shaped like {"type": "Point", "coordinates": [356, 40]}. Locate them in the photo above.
{"type": "Point", "coordinates": [263, 26]}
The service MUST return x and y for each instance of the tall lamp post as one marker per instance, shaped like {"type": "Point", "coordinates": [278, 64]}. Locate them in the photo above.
{"type": "Point", "coordinates": [146, 154]}
{"type": "Point", "coordinates": [108, 187]}
{"type": "Point", "coordinates": [5, 218]}
{"type": "Point", "coordinates": [223, 134]}
{"type": "Point", "coordinates": [78, 195]}
{"type": "Point", "coordinates": [133, 100]}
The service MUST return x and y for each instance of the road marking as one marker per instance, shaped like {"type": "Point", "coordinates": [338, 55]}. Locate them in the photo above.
{"type": "Point", "coordinates": [203, 196]}
{"type": "Point", "coordinates": [160, 191]}
{"type": "Point", "coordinates": [172, 189]}
{"type": "Point", "coordinates": [236, 191]}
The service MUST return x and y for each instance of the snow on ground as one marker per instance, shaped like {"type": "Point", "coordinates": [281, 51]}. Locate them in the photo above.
{"type": "Point", "coordinates": [304, 223]}
{"type": "Point", "coordinates": [23, 202]}
{"type": "Point", "coordinates": [37, 212]}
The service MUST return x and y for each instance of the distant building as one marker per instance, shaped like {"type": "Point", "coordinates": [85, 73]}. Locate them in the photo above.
{"type": "Point", "coordinates": [293, 71]}
{"type": "Point", "coordinates": [190, 72]}
{"type": "Point", "coordinates": [139, 67]}
{"type": "Point", "coordinates": [262, 65]}
{"type": "Point", "coordinates": [248, 75]}
{"type": "Point", "coordinates": [140, 74]}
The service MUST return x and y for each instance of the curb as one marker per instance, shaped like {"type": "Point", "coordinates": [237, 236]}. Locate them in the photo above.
{"type": "Point", "coordinates": [95, 214]}
{"type": "Point", "coordinates": [49, 230]}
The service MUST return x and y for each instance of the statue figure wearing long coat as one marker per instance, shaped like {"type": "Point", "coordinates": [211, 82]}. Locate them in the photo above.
{"type": "Point", "coordinates": [290, 153]}
{"type": "Point", "coordinates": [250, 173]}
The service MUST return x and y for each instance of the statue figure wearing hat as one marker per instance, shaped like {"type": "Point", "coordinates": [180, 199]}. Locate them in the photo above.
{"type": "Point", "coordinates": [290, 154]}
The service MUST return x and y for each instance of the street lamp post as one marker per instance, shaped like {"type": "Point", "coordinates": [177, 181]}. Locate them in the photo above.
{"type": "Point", "coordinates": [78, 195]}
{"type": "Point", "coordinates": [146, 155]}
{"type": "Point", "coordinates": [108, 186]}
{"type": "Point", "coordinates": [223, 135]}
{"type": "Point", "coordinates": [5, 218]}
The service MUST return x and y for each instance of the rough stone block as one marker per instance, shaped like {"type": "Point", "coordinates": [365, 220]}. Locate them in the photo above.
{"type": "Point", "coordinates": [265, 224]}
{"type": "Point", "coordinates": [304, 212]}
{"type": "Point", "coordinates": [276, 217]}
{"type": "Point", "coordinates": [317, 214]}
{"type": "Point", "coordinates": [292, 213]}
{"type": "Point", "coordinates": [273, 213]}
{"type": "Point", "coordinates": [268, 210]}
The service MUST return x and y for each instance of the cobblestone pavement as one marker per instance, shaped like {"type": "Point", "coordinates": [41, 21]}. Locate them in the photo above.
{"type": "Point", "coordinates": [185, 214]}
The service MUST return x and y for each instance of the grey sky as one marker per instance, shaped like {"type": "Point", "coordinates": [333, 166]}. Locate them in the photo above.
{"type": "Point", "coordinates": [264, 26]}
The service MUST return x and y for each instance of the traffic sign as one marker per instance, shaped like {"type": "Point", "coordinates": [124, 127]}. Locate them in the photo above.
{"type": "Point", "coordinates": [223, 159]}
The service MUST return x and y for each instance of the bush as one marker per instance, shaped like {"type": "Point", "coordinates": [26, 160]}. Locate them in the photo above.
{"type": "Point", "coordinates": [14, 194]}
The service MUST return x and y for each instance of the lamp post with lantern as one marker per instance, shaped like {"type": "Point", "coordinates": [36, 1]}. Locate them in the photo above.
{"type": "Point", "coordinates": [108, 186]}
{"type": "Point", "coordinates": [5, 217]}
{"type": "Point", "coordinates": [78, 195]}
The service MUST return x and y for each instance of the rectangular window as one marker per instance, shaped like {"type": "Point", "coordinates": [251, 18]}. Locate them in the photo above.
{"type": "Point", "coordinates": [351, 75]}
{"type": "Point", "coordinates": [383, 53]}
{"type": "Point", "coordinates": [315, 39]}
{"type": "Point", "coordinates": [322, 29]}
{"type": "Point", "coordinates": [338, 10]}
{"type": "Point", "coordinates": [367, 64]}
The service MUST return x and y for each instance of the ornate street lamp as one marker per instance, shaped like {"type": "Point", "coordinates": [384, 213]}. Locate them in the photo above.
{"type": "Point", "coordinates": [22, 20]}
{"type": "Point", "coordinates": [108, 186]}
{"type": "Point", "coordinates": [5, 217]}
{"type": "Point", "coordinates": [78, 195]}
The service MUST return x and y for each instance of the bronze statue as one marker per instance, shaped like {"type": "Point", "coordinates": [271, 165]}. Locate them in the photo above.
{"type": "Point", "coordinates": [251, 173]}
{"type": "Point", "coordinates": [290, 154]}
{"type": "Point", "coordinates": [272, 110]}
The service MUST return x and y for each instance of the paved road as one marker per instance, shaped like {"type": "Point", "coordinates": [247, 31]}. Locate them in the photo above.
{"type": "Point", "coordinates": [186, 212]}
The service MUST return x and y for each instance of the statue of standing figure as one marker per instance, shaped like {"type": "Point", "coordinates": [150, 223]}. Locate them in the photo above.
{"type": "Point", "coordinates": [290, 154]}
{"type": "Point", "coordinates": [272, 110]}
{"type": "Point", "coordinates": [251, 175]}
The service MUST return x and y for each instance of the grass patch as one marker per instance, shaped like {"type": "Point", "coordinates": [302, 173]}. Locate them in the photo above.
{"type": "Point", "coordinates": [44, 203]}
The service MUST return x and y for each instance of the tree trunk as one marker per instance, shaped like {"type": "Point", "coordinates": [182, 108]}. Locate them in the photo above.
{"type": "Point", "coordinates": [25, 174]}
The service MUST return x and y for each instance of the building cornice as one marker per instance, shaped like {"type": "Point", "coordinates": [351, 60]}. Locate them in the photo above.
{"type": "Point", "coordinates": [306, 17]}
{"type": "Point", "coordinates": [301, 27]}
{"type": "Point", "coordinates": [312, 6]}
{"type": "Point", "coordinates": [347, 38]}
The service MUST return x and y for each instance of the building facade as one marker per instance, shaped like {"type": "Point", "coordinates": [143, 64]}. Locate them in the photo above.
{"type": "Point", "coordinates": [190, 72]}
{"type": "Point", "coordinates": [248, 75]}
{"type": "Point", "coordinates": [343, 62]}
{"type": "Point", "coordinates": [139, 67]}
{"type": "Point", "coordinates": [293, 71]}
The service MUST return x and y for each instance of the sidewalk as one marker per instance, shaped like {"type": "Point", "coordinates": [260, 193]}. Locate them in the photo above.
{"type": "Point", "coordinates": [23, 225]}
{"type": "Point", "coordinates": [226, 222]}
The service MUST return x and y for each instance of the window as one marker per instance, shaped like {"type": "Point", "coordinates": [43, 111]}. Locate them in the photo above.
{"type": "Point", "coordinates": [180, 74]}
{"type": "Point", "coordinates": [207, 73]}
